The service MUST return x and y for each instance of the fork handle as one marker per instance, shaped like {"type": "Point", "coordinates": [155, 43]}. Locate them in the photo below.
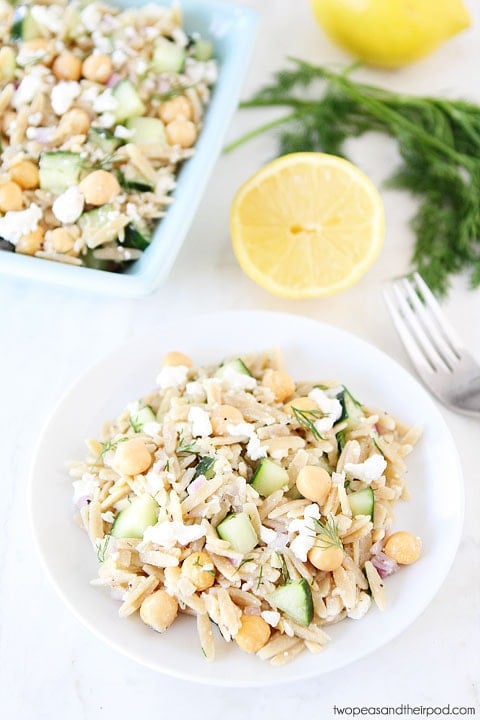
{"type": "Point", "coordinates": [466, 398]}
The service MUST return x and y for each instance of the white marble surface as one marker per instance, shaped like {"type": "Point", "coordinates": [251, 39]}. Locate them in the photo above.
{"type": "Point", "coordinates": [51, 668]}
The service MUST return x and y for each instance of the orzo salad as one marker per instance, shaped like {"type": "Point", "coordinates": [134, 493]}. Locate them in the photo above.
{"type": "Point", "coordinates": [99, 106]}
{"type": "Point", "coordinates": [254, 502]}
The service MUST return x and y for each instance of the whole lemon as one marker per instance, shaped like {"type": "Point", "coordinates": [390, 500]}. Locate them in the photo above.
{"type": "Point", "coordinates": [391, 33]}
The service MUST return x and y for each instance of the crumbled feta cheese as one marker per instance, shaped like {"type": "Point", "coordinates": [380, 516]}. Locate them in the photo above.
{"type": "Point", "coordinates": [89, 94]}
{"type": "Point", "coordinates": [42, 135]}
{"type": "Point", "coordinates": [200, 420]}
{"type": "Point", "coordinates": [63, 94]}
{"type": "Point", "coordinates": [91, 17]}
{"type": "Point", "coordinates": [108, 516]}
{"type": "Point", "coordinates": [330, 407]}
{"type": "Point", "coordinates": [119, 57]}
{"type": "Point", "coordinates": [84, 488]}
{"type": "Point", "coordinates": [26, 91]}
{"type": "Point", "coordinates": [106, 120]}
{"type": "Point", "coordinates": [233, 380]}
{"type": "Point", "coordinates": [179, 36]}
{"type": "Point", "coordinates": [195, 388]}
{"type": "Point", "coordinates": [272, 617]}
{"type": "Point", "coordinates": [368, 471]}
{"type": "Point", "coordinates": [164, 184]}
{"type": "Point", "coordinates": [240, 429]}
{"type": "Point", "coordinates": [151, 428]}
{"type": "Point", "coordinates": [105, 102]}
{"type": "Point", "coordinates": [49, 17]}
{"type": "Point", "coordinates": [35, 118]}
{"type": "Point", "coordinates": [267, 535]}
{"type": "Point", "coordinates": [172, 376]}
{"type": "Point", "coordinates": [68, 206]}
{"type": "Point", "coordinates": [305, 528]}
{"type": "Point", "coordinates": [16, 223]}
{"type": "Point", "coordinates": [255, 450]}
{"type": "Point", "coordinates": [361, 608]}
{"type": "Point", "coordinates": [167, 534]}
{"type": "Point", "coordinates": [123, 133]}
{"type": "Point", "coordinates": [141, 66]}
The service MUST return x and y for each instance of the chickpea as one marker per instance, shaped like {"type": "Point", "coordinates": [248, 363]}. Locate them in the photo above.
{"type": "Point", "coordinates": [59, 240]}
{"type": "Point", "coordinates": [159, 610]}
{"type": "Point", "coordinates": [403, 547]}
{"type": "Point", "coordinates": [175, 108]}
{"type": "Point", "coordinates": [254, 633]}
{"type": "Point", "coordinates": [30, 243]}
{"type": "Point", "coordinates": [97, 68]}
{"type": "Point", "coordinates": [176, 358]}
{"type": "Point", "coordinates": [300, 403]}
{"type": "Point", "coordinates": [11, 197]}
{"type": "Point", "coordinates": [314, 483]}
{"type": "Point", "coordinates": [25, 174]}
{"type": "Point", "coordinates": [181, 132]}
{"type": "Point", "coordinates": [280, 383]}
{"type": "Point", "coordinates": [99, 187]}
{"type": "Point", "coordinates": [225, 415]}
{"type": "Point", "coordinates": [131, 457]}
{"type": "Point", "coordinates": [327, 559]}
{"type": "Point", "coordinates": [199, 569]}
{"type": "Point", "coordinates": [75, 122]}
{"type": "Point", "coordinates": [67, 66]}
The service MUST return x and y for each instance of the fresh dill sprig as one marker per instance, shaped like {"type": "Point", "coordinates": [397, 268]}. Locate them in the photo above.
{"type": "Point", "coordinates": [135, 424]}
{"type": "Point", "coordinates": [109, 445]}
{"type": "Point", "coordinates": [102, 548]}
{"type": "Point", "coordinates": [242, 563]}
{"type": "Point", "coordinates": [306, 418]}
{"type": "Point", "coordinates": [326, 533]}
{"type": "Point", "coordinates": [439, 144]}
{"type": "Point", "coordinates": [283, 568]}
{"type": "Point", "coordinates": [186, 447]}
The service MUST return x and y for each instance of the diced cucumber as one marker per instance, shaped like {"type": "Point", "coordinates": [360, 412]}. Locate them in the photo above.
{"type": "Point", "coordinates": [136, 237]}
{"type": "Point", "coordinates": [59, 170]}
{"type": "Point", "coordinates": [295, 600]}
{"type": "Point", "coordinates": [8, 63]}
{"type": "Point", "coordinates": [104, 139]}
{"type": "Point", "coordinates": [141, 417]}
{"type": "Point", "coordinates": [202, 50]}
{"type": "Point", "coordinates": [134, 519]}
{"type": "Point", "coordinates": [167, 56]}
{"type": "Point", "coordinates": [352, 411]}
{"type": "Point", "coordinates": [147, 130]}
{"type": "Point", "coordinates": [129, 103]}
{"type": "Point", "coordinates": [237, 529]}
{"type": "Point", "coordinates": [206, 468]}
{"type": "Point", "coordinates": [237, 365]}
{"type": "Point", "coordinates": [95, 224]}
{"type": "Point", "coordinates": [269, 477]}
{"type": "Point", "coordinates": [341, 440]}
{"type": "Point", "coordinates": [362, 502]}
{"type": "Point", "coordinates": [24, 26]}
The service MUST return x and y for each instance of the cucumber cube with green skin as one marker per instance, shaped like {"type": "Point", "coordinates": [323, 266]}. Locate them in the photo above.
{"type": "Point", "coordinates": [269, 477]}
{"type": "Point", "coordinates": [141, 417]}
{"type": "Point", "coordinates": [59, 170]}
{"type": "Point", "coordinates": [168, 56]}
{"type": "Point", "coordinates": [104, 139]}
{"type": "Point", "coordinates": [352, 411]}
{"type": "Point", "coordinates": [24, 26]}
{"type": "Point", "coordinates": [206, 468]}
{"type": "Point", "coordinates": [295, 600]}
{"type": "Point", "coordinates": [136, 237]}
{"type": "Point", "coordinates": [147, 130]}
{"type": "Point", "coordinates": [129, 102]}
{"type": "Point", "coordinates": [362, 502]}
{"type": "Point", "coordinates": [95, 226]}
{"type": "Point", "coordinates": [237, 529]}
{"type": "Point", "coordinates": [238, 365]}
{"type": "Point", "coordinates": [136, 518]}
{"type": "Point", "coordinates": [202, 50]}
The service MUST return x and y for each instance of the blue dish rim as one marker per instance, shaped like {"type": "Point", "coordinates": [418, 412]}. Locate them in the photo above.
{"type": "Point", "coordinates": [153, 268]}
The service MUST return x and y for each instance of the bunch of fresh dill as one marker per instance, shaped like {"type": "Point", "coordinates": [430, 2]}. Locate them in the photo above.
{"type": "Point", "coordinates": [438, 140]}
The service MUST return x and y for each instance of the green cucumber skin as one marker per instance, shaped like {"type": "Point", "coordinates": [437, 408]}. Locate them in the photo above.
{"type": "Point", "coordinates": [269, 477]}
{"type": "Point", "coordinates": [362, 502]}
{"type": "Point", "coordinates": [300, 608]}
{"type": "Point", "coordinates": [205, 467]}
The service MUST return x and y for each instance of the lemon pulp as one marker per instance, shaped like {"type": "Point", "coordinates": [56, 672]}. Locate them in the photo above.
{"type": "Point", "coordinates": [307, 225]}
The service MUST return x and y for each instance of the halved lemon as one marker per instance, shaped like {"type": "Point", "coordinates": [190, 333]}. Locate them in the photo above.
{"type": "Point", "coordinates": [307, 225]}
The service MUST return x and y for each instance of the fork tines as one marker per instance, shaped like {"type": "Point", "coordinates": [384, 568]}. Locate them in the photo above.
{"type": "Point", "coordinates": [429, 338]}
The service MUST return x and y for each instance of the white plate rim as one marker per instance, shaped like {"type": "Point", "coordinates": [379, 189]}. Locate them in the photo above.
{"type": "Point", "coordinates": [293, 676]}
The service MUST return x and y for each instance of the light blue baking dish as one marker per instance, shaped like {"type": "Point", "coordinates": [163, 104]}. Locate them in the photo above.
{"type": "Point", "coordinates": [231, 28]}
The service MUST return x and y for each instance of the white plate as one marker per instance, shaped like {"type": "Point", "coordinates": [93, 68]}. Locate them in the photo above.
{"type": "Point", "coordinates": [313, 351]}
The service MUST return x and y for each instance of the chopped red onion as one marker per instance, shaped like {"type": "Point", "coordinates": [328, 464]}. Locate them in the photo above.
{"type": "Point", "coordinates": [384, 565]}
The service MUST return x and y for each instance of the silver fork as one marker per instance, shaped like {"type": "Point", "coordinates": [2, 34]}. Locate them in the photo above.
{"type": "Point", "coordinates": [437, 353]}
